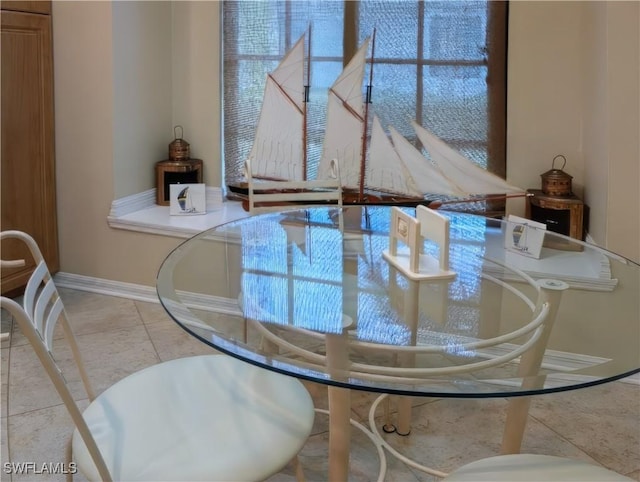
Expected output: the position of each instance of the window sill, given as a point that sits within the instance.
(140, 213)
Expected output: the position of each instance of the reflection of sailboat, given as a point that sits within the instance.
(390, 171)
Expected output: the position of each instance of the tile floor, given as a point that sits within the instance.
(119, 336)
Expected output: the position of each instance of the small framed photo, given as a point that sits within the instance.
(187, 199)
(524, 236)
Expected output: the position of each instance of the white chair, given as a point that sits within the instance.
(532, 467)
(196, 418)
(268, 196)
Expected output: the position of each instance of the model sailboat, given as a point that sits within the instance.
(390, 170)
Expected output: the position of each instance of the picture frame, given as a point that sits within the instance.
(524, 236)
(187, 199)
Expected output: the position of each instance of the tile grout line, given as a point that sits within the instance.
(146, 330)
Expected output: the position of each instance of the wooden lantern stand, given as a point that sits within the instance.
(175, 172)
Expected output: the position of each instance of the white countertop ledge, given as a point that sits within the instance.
(140, 213)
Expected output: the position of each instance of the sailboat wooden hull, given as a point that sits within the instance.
(239, 192)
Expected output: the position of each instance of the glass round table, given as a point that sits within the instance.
(377, 299)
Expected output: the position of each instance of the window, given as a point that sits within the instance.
(440, 63)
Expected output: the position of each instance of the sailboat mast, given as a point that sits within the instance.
(305, 101)
(367, 101)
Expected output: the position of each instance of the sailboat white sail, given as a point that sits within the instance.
(345, 122)
(279, 149)
(386, 171)
(470, 178)
(427, 178)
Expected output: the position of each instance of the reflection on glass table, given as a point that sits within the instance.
(294, 293)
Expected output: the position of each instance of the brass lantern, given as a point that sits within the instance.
(556, 182)
(179, 149)
(180, 168)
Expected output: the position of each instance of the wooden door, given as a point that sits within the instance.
(28, 169)
(32, 6)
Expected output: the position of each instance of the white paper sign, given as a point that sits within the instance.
(524, 236)
(187, 199)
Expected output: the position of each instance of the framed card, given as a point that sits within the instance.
(187, 199)
(524, 236)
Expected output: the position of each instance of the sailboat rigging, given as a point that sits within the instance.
(367, 102)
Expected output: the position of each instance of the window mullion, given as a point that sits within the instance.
(350, 31)
(288, 41)
(420, 64)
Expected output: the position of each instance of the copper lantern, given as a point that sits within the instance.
(178, 169)
(556, 182)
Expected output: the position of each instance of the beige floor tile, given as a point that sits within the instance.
(95, 313)
(451, 432)
(635, 475)
(151, 312)
(4, 380)
(4, 447)
(108, 356)
(171, 341)
(41, 436)
(364, 464)
(111, 356)
(602, 420)
(29, 387)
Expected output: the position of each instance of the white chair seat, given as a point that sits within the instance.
(532, 467)
(182, 420)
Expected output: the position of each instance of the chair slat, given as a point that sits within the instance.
(33, 285)
(50, 324)
(43, 301)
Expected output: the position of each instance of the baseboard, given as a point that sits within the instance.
(217, 304)
(144, 293)
(130, 204)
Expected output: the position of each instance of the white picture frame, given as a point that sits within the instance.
(187, 199)
(524, 236)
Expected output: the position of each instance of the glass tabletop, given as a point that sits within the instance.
(319, 294)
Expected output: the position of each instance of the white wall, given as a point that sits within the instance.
(544, 91)
(622, 124)
(573, 89)
(197, 82)
(594, 56)
(88, 135)
(142, 92)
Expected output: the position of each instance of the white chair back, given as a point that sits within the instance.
(37, 318)
(201, 403)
